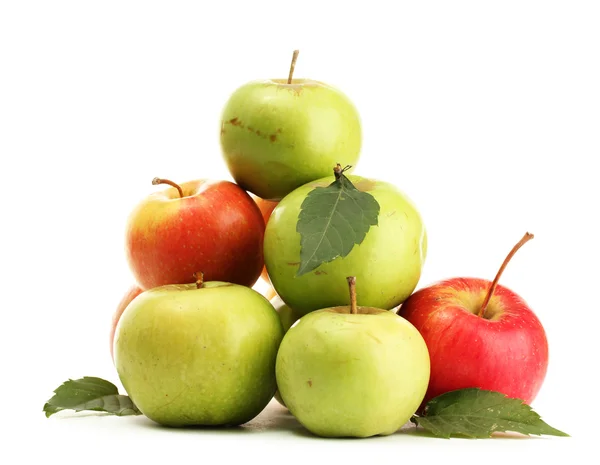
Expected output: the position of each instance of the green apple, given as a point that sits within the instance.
(277, 136)
(387, 264)
(288, 317)
(352, 371)
(190, 355)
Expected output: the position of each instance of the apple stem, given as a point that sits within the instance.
(338, 170)
(157, 181)
(527, 237)
(293, 65)
(199, 277)
(352, 285)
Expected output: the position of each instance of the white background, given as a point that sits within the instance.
(487, 114)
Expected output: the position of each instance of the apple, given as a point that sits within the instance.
(266, 207)
(480, 334)
(278, 134)
(387, 264)
(210, 225)
(351, 371)
(287, 317)
(131, 294)
(198, 354)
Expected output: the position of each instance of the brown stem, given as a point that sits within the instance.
(293, 65)
(518, 245)
(199, 277)
(157, 181)
(352, 285)
(338, 170)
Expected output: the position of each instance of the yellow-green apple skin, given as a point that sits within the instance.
(387, 264)
(189, 356)
(352, 375)
(287, 317)
(276, 136)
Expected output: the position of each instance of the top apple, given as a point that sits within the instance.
(279, 134)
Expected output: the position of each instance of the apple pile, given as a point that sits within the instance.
(344, 342)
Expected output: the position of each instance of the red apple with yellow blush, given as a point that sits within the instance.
(480, 334)
(208, 225)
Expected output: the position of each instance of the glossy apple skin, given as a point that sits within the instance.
(287, 317)
(507, 351)
(276, 136)
(189, 356)
(266, 207)
(131, 294)
(387, 264)
(216, 228)
(352, 375)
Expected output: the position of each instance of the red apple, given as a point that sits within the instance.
(131, 294)
(213, 226)
(480, 334)
(266, 208)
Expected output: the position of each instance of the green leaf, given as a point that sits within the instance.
(89, 393)
(477, 413)
(332, 220)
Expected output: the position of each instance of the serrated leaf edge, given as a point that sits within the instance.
(423, 420)
(308, 267)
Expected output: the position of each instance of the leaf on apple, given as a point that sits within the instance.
(477, 413)
(332, 220)
(90, 393)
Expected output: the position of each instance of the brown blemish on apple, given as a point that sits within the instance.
(279, 130)
(273, 137)
(319, 272)
(239, 124)
(293, 263)
(345, 310)
(365, 185)
(309, 383)
(320, 183)
(296, 89)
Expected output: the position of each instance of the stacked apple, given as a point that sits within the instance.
(195, 344)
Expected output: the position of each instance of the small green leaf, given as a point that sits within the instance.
(89, 393)
(477, 413)
(332, 220)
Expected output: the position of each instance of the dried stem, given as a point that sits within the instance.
(199, 277)
(293, 65)
(352, 285)
(157, 181)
